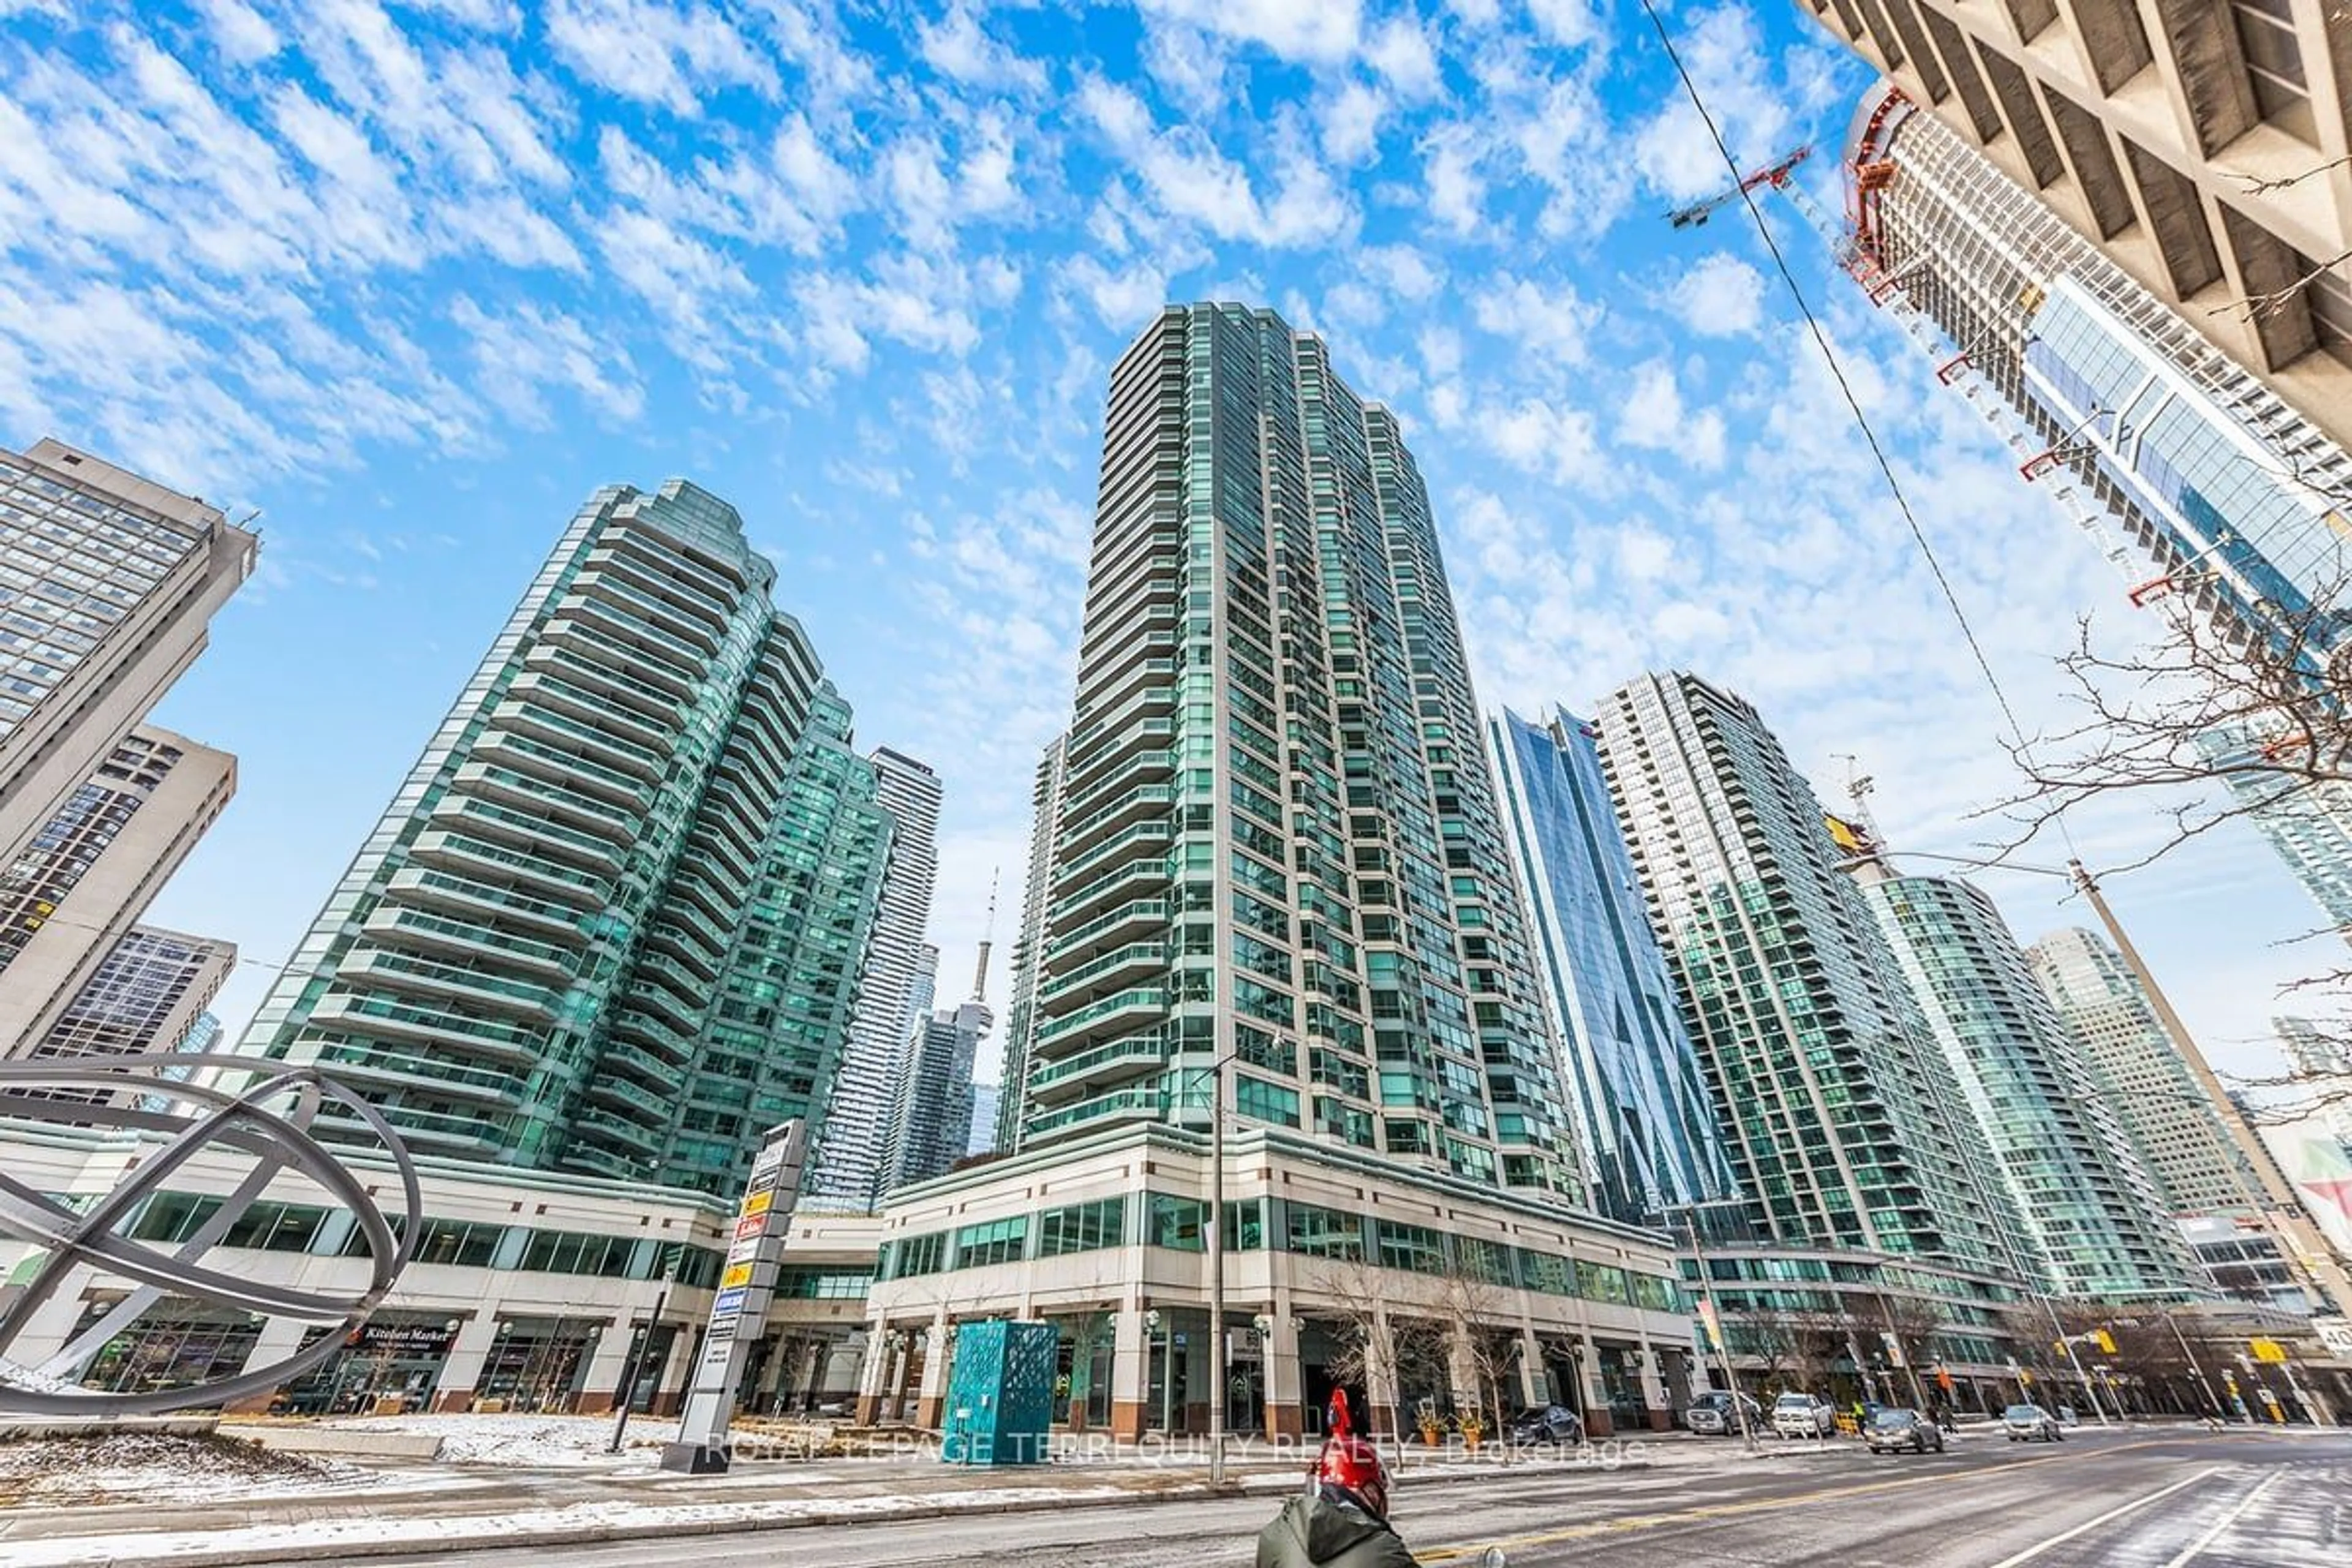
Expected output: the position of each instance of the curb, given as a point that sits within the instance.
(618, 1531)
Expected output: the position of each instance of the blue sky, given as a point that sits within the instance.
(413, 278)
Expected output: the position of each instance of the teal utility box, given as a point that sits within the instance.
(1001, 1394)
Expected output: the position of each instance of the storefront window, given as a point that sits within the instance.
(178, 1342)
(537, 1364)
(1175, 1222)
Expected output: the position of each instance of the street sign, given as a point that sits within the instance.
(739, 1311)
(1894, 1349)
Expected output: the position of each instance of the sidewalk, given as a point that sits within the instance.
(450, 1508)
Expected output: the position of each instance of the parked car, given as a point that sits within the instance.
(1710, 1416)
(1554, 1424)
(1803, 1415)
(2031, 1423)
(1895, 1428)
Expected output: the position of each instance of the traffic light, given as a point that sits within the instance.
(2107, 1341)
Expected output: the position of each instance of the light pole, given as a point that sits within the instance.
(1713, 1319)
(638, 1352)
(2189, 1356)
(1216, 1251)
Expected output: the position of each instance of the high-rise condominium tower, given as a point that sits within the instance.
(2094, 1220)
(2229, 495)
(1045, 825)
(146, 995)
(930, 1126)
(849, 1167)
(1276, 835)
(1647, 1127)
(107, 584)
(2140, 1073)
(75, 890)
(2148, 127)
(1842, 1120)
(613, 921)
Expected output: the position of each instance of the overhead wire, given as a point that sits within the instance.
(1854, 404)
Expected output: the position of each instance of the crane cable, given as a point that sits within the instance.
(1861, 420)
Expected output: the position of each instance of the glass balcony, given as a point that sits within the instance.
(1104, 1017)
(536, 689)
(467, 940)
(439, 845)
(1143, 837)
(650, 702)
(1078, 903)
(527, 835)
(456, 1032)
(1139, 915)
(1106, 752)
(402, 972)
(567, 767)
(441, 889)
(1124, 1105)
(649, 761)
(1118, 964)
(1149, 765)
(1127, 1057)
(1138, 802)
(654, 661)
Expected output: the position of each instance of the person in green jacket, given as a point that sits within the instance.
(1342, 1520)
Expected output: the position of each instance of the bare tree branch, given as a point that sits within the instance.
(2254, 185)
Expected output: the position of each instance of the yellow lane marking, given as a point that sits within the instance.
(1627, 1523)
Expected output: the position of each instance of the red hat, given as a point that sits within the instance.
(1353, 1465)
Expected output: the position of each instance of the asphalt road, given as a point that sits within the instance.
(2101, 1500)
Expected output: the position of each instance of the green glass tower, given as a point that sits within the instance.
(1841, 1117)
(614, 919)
(1273, 833)
(2093, 1221)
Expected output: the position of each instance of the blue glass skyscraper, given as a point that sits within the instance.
(1650, 1139)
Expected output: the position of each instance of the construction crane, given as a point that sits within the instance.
(1775, 176)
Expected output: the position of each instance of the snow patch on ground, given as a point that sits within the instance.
(159, 1468)
(522, 1441)
(322, 1537)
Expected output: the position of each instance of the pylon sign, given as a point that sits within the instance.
(739, 1309)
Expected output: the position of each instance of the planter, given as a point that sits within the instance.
(1433, 1435)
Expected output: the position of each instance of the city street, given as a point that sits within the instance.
(2114, 1500)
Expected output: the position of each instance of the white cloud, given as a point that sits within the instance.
(1322, 31)
(242, 33)
(1192, 180)
(1654, 416)
(958, 47)
(1556, 323)
(1721, 297)
(1399, 52)
(1122, 299)
(1350, 121)
(1457, 194)
(645, 50)
(1190, 66)
(1570, 22)
(1550, 440)
(1402, 269)
(519, 354)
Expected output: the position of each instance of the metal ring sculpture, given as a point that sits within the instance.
(96, 1240)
